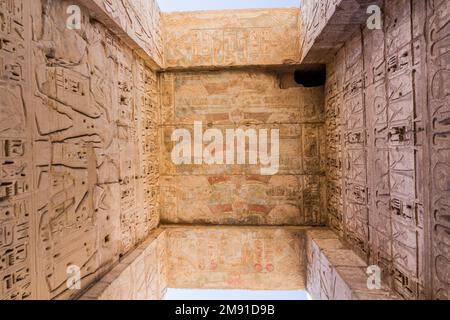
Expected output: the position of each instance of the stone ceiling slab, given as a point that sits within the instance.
(230, 38)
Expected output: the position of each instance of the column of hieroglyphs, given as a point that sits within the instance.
(379, 115)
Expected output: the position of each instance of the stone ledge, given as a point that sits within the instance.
(140, 275)
(328, 25)
(335, 272)
(142, 38)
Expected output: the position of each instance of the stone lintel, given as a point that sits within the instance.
(336, 25)
(208, 40)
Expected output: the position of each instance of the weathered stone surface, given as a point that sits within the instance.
(207, 258)
(141, 275)
(239, 194)
(334, 272)
(314, 17)
(439, 112)
(79, 162)
(236, 258)
(211, 39)
(17, 249)
(378, 167)
(301, 151)
(136, 22)
(243, 199)
(238, 97)
(85, 133)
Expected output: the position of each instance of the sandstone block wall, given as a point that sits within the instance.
(239, 194)
(212, 39)
(86, 122)
(78, 152)
(314, 17)
(387, 123)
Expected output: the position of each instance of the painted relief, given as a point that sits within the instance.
(236, 193)
(16, 173)
(238, 258)
(226, 38)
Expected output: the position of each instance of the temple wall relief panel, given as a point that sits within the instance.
(79, 111)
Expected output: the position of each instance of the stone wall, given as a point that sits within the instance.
(212, 39)
(387, 140)
(86, 124)
(208, 257)
(240, 194)
(253, 258)
(438, 142)
(79, 158)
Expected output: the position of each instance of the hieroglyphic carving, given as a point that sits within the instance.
(380, 229)
(254, 258)
(136, 22)
(382, 142)
(16, 179)
(73, 127)
(314, 17)
(237, 97)
(234, 37)
(243, 199)
(334, 138)
(141, 275)
(403, 92)
(80, 141)
(354, 153)
(439, 109)
(236, 258)
(90, 186)
(147, 101)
